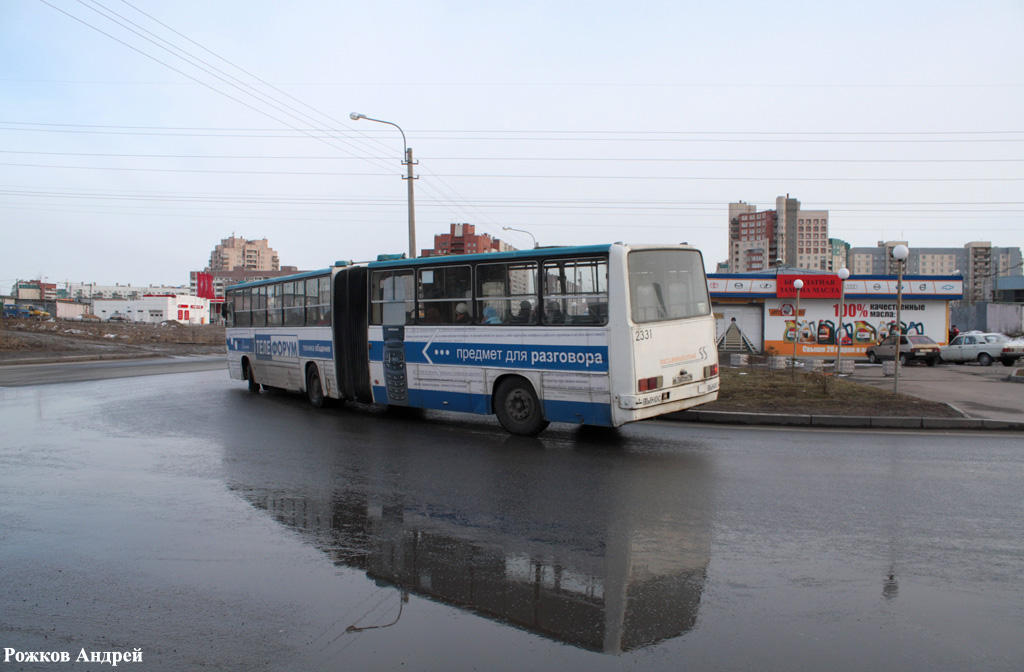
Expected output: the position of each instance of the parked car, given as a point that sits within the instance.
(119, 317)
(983, 348)
(912, 349)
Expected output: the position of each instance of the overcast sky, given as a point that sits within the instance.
(135, 136)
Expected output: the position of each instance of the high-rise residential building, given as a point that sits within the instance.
(753, 238)
(238, 260)
(238, 253)
(840, 254)
(978, 262)
(760, 239)
(463, 239)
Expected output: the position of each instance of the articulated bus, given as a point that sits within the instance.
(597, 335)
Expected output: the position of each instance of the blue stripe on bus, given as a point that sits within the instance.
(577, 412)
(503, 355)
(307, 349)
(236, 344)
(316, 349)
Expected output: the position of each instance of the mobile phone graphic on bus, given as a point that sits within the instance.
(395, 379)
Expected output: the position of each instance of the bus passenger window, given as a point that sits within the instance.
(441, 290)
(392, 299)
(572, 287)
(294, 300)
(259, 306)
(274, 311)
(243, 316)
(510, 289)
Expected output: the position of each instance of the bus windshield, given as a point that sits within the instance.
(667, 285)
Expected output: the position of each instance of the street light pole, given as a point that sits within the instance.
(407, 161)
(900, 254)
(509, 228)
(843, 274)
(798, 284)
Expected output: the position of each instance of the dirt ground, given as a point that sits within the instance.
(30, 339)
(755, 389)
(751, 389)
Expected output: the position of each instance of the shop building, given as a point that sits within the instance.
(758, 313)
(155, 308)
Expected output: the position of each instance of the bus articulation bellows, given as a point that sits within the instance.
(597, 335)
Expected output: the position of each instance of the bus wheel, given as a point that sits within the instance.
(254, 387)
(517, 407)
(314, 390)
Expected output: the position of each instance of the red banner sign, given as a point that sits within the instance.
(204, 285)
(815, 286)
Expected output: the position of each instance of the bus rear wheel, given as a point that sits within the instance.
(518, 409)
(314, 390)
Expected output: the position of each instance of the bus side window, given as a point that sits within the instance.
(293, 301)
(228, 311)
(392, 297)
(325, 300)
(259, 306)
(509, 290)
(572, 287)
(442, 290)
(274, 297)
(243, 316)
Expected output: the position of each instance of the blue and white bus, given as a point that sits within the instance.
(597, 335)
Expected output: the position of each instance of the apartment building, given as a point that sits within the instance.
(252, 255)
(979, 262)
(463, 239)
(760, 239)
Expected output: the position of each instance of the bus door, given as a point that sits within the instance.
(351, 342)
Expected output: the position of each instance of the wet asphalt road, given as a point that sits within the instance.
(181, 516)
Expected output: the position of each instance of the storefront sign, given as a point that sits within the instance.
(817, 329)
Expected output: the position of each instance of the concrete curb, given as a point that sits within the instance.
(852, 421)
(78, 358)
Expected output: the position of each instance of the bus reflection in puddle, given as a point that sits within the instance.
(618, 570)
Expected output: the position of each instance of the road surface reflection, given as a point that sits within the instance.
(600, 549)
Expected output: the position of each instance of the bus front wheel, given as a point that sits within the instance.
(254, 387)
(518, 409)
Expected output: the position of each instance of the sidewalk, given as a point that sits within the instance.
(982, 395)
(848, 421)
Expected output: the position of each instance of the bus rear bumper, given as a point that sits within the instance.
(671, 399)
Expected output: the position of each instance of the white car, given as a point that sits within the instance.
(982, 348)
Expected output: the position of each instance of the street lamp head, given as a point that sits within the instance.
(798, 284)
(355, 116)
(844, 273)
(900, 253)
